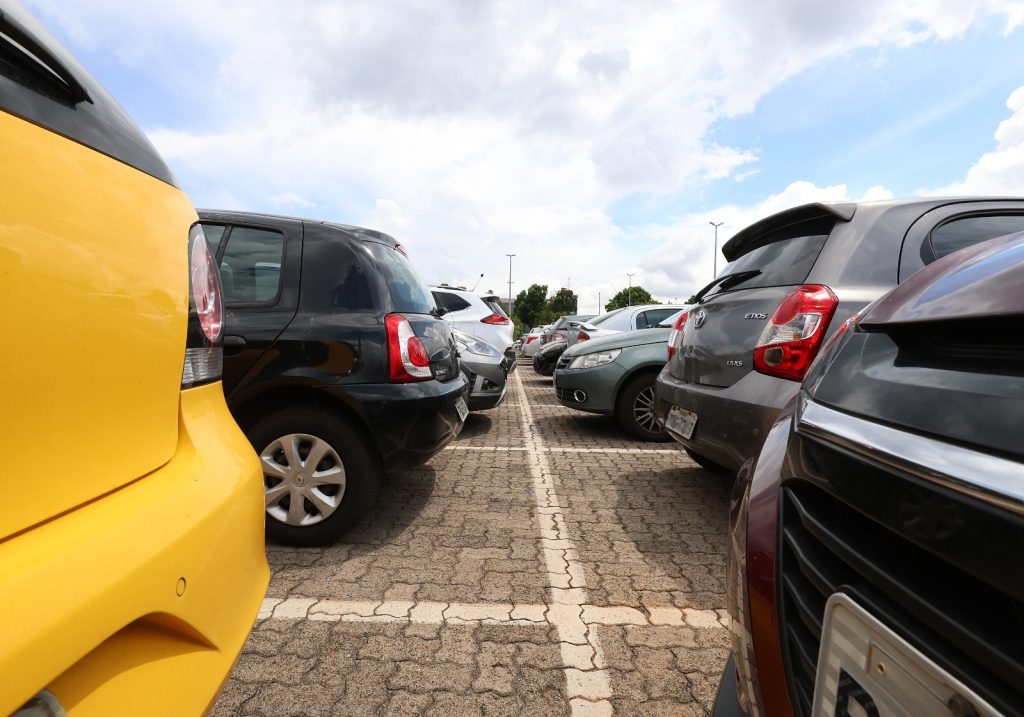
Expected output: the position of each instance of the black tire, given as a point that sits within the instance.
(361, 472)
(634, 410)
(707, 463)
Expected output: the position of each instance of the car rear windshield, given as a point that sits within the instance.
(408, 292)
(784, 257)
(596, 321)
(494, 306)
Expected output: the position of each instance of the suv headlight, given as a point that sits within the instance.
(598, 358)
(473, 345)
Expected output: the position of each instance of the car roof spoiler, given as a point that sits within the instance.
(738, 245)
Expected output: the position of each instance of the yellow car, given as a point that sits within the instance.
(132, 562)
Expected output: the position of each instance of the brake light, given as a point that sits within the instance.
(794, 334)
(407, 358)
(556, 337)
(583, 336)
(677, 334)
(496, 319)
(204, 353)
(531, 338)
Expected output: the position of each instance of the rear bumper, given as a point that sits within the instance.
(92, 609)
(409, 422)
(487, 382)
(599, 386)
(732, 422)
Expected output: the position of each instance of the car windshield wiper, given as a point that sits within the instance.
(726, 282)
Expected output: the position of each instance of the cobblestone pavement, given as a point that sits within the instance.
(543, 564)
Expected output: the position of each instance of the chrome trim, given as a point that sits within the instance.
(995, 480)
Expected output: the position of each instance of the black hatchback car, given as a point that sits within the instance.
(337, 364)
(874, 563)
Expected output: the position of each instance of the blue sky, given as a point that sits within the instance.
(587, 142)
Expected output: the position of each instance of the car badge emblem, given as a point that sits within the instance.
(699, 318)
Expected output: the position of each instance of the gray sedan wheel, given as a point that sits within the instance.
(635, 409)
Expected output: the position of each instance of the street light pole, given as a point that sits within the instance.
(510, 283)
(629, 293)
(716, 225)
(599, 309)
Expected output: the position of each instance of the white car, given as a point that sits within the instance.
(480, 316)
(629, 318)
(531, 340)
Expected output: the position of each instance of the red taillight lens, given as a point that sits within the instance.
(530, 338)
(792, 338)
(204, 355)
(495, 318)
(677, 334)
(583, 336)
(407, 357)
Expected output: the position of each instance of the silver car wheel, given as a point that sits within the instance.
(303, 479)
(643, 411)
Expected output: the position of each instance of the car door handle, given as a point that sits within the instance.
(233, 344)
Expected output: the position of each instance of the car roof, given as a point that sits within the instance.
(230, 215)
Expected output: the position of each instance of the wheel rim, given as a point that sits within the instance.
(303, 479)
(643, 411)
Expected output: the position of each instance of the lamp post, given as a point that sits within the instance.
(716, 225)
(599, 309)
(629, 292)
(510, 283)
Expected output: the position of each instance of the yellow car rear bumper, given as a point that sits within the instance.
(140, 601)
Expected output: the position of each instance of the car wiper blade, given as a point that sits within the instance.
(727, 282)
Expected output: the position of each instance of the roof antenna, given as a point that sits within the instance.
(477, 283)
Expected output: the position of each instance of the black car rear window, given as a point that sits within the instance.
(408, 292)
(783, 258)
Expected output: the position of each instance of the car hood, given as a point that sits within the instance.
(621, 340)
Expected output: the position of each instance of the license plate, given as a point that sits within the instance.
(867, 670)
(681, 421)
(460, 406)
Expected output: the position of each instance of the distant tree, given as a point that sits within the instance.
(530, 303)
(691, 300)
(517, 328)
(636, 296)
(563, 302)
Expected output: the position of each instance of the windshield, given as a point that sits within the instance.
(408, 292)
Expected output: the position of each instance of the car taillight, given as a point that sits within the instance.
(583, 336)
(407, 358)
(676, 335)
(495, 318)
(556, 337)
(530, 338)
(794, 334)
(204, 354)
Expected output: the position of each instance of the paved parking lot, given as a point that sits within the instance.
(543, 564)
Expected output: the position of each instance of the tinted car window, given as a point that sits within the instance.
(408, 292)
(352, 290)
(648, 319)
(782, 263)
(452, 302)
(250, 267)
(962, 233)
(495, 307)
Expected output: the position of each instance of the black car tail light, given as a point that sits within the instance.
(204, 354)
(791, 339)
(407, 358)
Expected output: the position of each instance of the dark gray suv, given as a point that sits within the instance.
(791, 278)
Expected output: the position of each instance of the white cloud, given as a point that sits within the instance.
(999, 172)
(471, 129)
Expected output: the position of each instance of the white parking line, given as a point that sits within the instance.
(588, 684)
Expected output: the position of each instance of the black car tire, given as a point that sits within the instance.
(707, 463)
(362, 471)
(637, 396)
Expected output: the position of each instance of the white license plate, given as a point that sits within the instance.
(462, 408)
(681, 421)
(867, 670)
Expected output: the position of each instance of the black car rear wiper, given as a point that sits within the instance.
(726, 282)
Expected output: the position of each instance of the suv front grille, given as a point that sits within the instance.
(970, 627)
(563, 361)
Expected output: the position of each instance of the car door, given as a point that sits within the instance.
(951, 227)
(260, 272)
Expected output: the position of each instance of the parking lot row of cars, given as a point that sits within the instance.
(858, 368)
